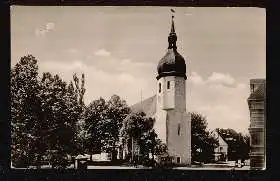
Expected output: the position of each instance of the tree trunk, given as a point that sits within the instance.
(132, 149)
(114, 155)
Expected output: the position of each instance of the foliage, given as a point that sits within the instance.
(93, 118)
(61, 113)
(44, 115)
(239, 144)
(76, 94)
(103, 121)
(116, 112)
(25, 111)
(139, 128)
(202, 143)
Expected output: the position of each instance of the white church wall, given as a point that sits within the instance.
(180, 94)
(169, 93)
(160, 125)
(179, 145)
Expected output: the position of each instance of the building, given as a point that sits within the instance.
(221, 151)
(168, 106)
(257, 107)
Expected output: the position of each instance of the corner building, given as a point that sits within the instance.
(257, 107)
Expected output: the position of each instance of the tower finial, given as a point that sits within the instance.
(172, 38)
(172, 25)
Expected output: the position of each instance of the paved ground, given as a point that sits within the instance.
(177, 168)
(212, 168)
(204, 167)
(112, 167)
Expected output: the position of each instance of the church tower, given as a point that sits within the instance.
(173, 122)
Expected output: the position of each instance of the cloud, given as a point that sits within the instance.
(216, 79)
(98, 82)
(195, 78)
(72, 50)
(219, 78)
(125, 61)
(221, 99)
(102, 53)
(224, 106)
(50, 26)
(108, 62)
(42, 32)
(39, 32)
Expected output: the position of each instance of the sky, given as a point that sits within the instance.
(118, 49)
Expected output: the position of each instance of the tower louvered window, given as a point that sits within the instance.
(179, 129)
(168, 84)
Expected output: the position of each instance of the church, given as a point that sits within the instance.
(168, 105)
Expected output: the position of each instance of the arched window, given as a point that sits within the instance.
(159, 87)
(168, 84)
(179, 129)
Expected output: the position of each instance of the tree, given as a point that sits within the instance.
(58, 130)
(149, 143)
(202, 144)
(77, 109)
(44, 114)
(239, 144)
(61, 111)
(25, 111)
(93, 117)
(116, 112)
(79, 89)
(138, 128)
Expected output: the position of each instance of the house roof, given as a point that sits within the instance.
(148, 106)
(220, 135)
(258, 94)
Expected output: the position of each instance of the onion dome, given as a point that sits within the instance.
(172, 64)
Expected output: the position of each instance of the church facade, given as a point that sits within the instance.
(168, 105)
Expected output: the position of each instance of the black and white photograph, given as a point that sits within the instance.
(124, 87)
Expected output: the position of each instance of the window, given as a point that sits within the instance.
(179, 129)
(256, 139)
(252, 88)
(159, 87)
(178, 159)
(168, 84)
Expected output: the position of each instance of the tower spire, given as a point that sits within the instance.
(172, 38)
(172, 25)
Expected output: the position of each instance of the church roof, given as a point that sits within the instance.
(148, 106)
(172, 63)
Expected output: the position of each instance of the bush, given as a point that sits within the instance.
(59, 161)
(148, 162)
(165, 162)
(21, 162)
